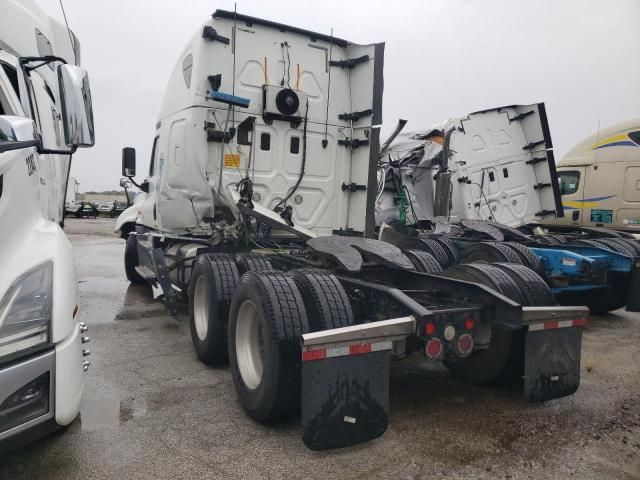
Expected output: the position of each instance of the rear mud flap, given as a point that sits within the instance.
(633, 297)
(345, 400)
(552, 363)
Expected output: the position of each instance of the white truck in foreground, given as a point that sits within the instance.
(45, 115)
(259, 213)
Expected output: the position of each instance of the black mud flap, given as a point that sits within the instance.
(552, 363)
(633, 297)
(345, 400)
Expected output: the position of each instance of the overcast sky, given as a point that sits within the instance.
(443, 58)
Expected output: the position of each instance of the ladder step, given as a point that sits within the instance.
(146, 273)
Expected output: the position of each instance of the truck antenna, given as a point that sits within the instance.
(235, 38)
(73, 45)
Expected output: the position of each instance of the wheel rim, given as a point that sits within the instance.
(249, 345)
(201, 308)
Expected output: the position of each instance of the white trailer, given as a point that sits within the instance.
(45, 115)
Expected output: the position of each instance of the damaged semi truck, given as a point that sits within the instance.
(45, 115)
(259, 213)
(483, 188)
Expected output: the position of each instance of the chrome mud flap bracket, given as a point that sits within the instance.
(552, 353)
(345, 382)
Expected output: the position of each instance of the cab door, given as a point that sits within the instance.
(572, 181)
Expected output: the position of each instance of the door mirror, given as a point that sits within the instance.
(125, 183)
(17, 133)
(77, 109)
(128, 162)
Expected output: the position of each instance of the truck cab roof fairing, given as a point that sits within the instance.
(249, 20)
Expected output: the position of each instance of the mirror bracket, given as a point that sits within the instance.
(49, 151)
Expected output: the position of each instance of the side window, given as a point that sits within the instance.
(12, 75)
(569, 182)
(154, 153)
(635, 136)
(187, 68)
(5, 106)
(44, 46)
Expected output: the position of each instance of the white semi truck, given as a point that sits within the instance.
(486, 183)
(259, 213)
(45, 115)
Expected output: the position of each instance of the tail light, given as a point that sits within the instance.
(469, 323)
(430, 328)
(434, 349)
(465, 345)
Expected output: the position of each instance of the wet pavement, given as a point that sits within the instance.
(151, 410)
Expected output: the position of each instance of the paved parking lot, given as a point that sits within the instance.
(151, 410)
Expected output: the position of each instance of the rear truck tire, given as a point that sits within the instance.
(632, 245)
(535, 290)
(326, 302)
(618, 247)
(437, 250)
(609, 301)
(528, 258)
(504, 358)
(490, 252)
(547, 239)
(450, 248)
(423, 261)
(592, 243)
(252, 262)
(131, 261)
(266, 320)
(213, 281)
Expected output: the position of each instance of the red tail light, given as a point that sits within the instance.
(465, 344)
(434, 348)
(430, 329)
(469, 323)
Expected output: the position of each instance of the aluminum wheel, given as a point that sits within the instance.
(249, 345)
(201, 307)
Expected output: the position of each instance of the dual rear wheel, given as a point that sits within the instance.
(254, 321)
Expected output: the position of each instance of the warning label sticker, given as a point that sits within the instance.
(602, 216)
(569, 262)
(231, 161)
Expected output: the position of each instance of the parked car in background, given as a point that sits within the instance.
(87, 210)
(70, 208)
(104, 208)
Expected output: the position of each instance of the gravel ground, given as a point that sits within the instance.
(151, 410)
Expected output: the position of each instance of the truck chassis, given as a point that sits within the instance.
(311, 324)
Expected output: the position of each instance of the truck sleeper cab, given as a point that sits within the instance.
(600, 179)
(45, 114)
(259, 214)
